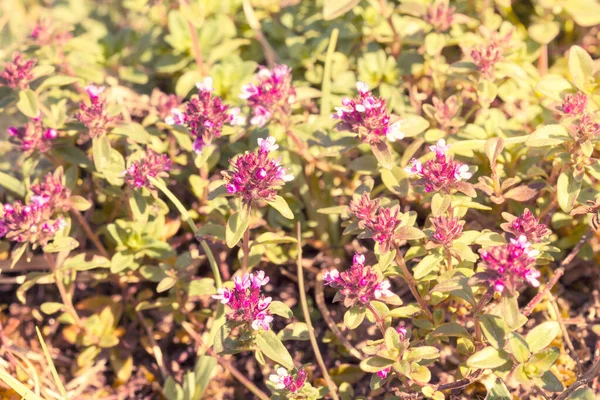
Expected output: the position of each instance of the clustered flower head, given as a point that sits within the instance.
(153, 165)
(510, 263)
(163, 103)
(440, 15)
(254, 176)
(446, 229)
(51, 190)
(248, 305)
(527, 225)
(29, 223)
(272, 96)
(358, 285)
(587, 128)
(441, 173)
(574, 104)
(46, 33)
(386, 371)
(205, 115)
(445, 112)
(485, 58)
(382, 222)
(18, 74)
(367, 116)
(33, 137)
(95, 116)
(283, 380)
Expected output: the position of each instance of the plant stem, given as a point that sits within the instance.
(412, 284)
(90, 233)
(64, 295)
(195, 43)
(246, 250)
(326, 85)
(270, 54)
(311, 331)
(378, 318)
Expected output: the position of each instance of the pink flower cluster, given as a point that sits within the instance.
(446, 229)
(51, 190)
(254, 176)
(205, 115)
(272, 96)
(29, 223)
(587, 128)
(485, 58)
(283, 380)
(367, 116)
(527, 225)
(510, 263)
(95, 116)
(445, 111)
(574, 104)
(441, 173)
(163, 103)
(386, 371)
(440, 15)
(153, 165)
(47, 33)
(248, 305)
(382, 222)
(17, 73)
(358, 285)
(33, 137)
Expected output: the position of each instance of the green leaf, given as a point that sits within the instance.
(498, 392)
(548, 382)
(583, 393)
(61, 244)
(542, 335)
(494, 329)
(282, 206)
(409, 233)
(121, 262)
(80, 203)
(336, 8)
(544, 359)
(165, 284)
(101, 152)
(427, 265)
(354, 317)
(58, 80)
(450, 329)
(488, 357)
(417, 354)
(50, 308)
(510, 311)
(133, 131)
(549, 135)
(202, 287)
(382, 152)
(584, 12)
(28, 103)
(440, 204)
(581, 67)
(392, 339)
(13, 184)
(205, 369)
(404, 312)
(273, 348)
(518, 347)
(567, 190)
(420, 373)
(281, 309)
(375, 364)
(271, 237)
(236, 226)
(294, 331)
(412, 124)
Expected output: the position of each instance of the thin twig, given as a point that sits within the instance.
(90, 233)
(64, 295)
(246, 250)
(270, 54)
(158, 355)
(565, 333)
(412, 284)
(311, 331)
(584, 380)
(195, 42)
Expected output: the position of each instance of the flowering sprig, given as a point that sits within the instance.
(382, 222)
(446, 230)
(359, 285)
(485, 58)
(18, 74)
(440, 15)
(95, 115)
(287, 382)
(204, 115)
(153, 165)
(526, 225)
(51, 190)
(445, 113)
(248, 305)
(254, 176)
(441, 173)
(29, 223)
(33, 137)
(402, 331)
(272, 96)
(367, 116)
(574, 104)
(506, 265)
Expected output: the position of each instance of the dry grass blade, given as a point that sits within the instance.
(18, 387)
(59, 384)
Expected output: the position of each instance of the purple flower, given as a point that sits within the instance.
(18, 74)
(587, 128)
(382, 222)
(527, 225)
(440, 15)
(95, 116)
(446, 229)
(574, 104)
(32, 137)
(255, 176)
(444, 112)
(272, 96)
(367, 116)
(485, 58)
(358, 285)
(249, 307)
(29, 223)
(51, 190)
(153, 165)
(164, 103)
(285, 381)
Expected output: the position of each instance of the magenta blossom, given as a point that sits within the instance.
(527, 225)
(51, 190)
(382, 222)
(47, 33)
(205, 115)
(587, 128)
(283, 380)
(272, 96)
(248, 305)
(444, 112)
(446, 229)
(95, 116)
(367, 116)
(440, 16)
(574, 104)
(441, 173)
(33, 137)
(485, 58)
(506, 265)
(359, 285)
(18, 74)
(163, 103)
(153, 165)
(254, 176)
(29, 223)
